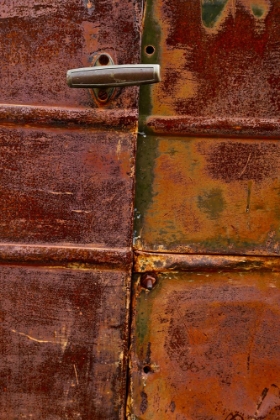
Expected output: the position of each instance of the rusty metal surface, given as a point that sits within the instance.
(67, 187)
(219, 58)
(66, 256)
(220, 79)
(67, 174)
(162, 262)
(212, 126)
(66, 117)
(204, 195)
(40, 41)
(62, 343)
(206, 346)
(205, 340)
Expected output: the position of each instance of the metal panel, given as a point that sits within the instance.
(66, 187)
(205, 340)
(62, 343)
(219, 58)
(208, 195)
(206, 346)
(198, 189)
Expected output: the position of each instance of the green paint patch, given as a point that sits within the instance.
(144, 309)
(145, 161)
(211, 10)
(212, 203)
(151, 37)
(257, 10)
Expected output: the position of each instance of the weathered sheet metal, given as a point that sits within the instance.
(198, 190)
(40, 41)
(206, 346)
(205, 339)
(205, 195)
(66, 186)
(154, 263)
(62, 343)
(219, 58)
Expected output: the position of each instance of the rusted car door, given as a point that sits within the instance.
(206, 306)
(66, 209)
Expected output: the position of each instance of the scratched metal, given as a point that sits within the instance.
(62, 343)
(66, 191)
(206, 346)
(72, 186)
(41, 40)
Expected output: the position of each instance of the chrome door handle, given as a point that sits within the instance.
(113, 76)
(104, 76)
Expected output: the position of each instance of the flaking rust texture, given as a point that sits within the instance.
(219, 58)
(206, 346)
(66, 181)
(220, 70)
(40, 41)
(62, 343)
(153, 262)
(66, 186)
(205, 338)
(208, 195)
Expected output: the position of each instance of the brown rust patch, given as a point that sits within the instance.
(73, 32)
(62, 356)
(66, 186)
(213, 126)
(233, 161)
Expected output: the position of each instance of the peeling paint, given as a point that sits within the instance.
(215, 12)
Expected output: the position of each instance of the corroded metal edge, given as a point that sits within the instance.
(199, 126)
(161, 262)
(68, 117)
(66, 256)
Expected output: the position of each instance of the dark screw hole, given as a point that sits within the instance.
(147, 369)
(103, 60)
(150, 50)
(102, 95)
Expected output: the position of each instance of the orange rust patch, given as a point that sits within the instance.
(212, 195)
(214, 347)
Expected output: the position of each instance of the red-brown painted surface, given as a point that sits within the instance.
(62, 343)
(66, 187)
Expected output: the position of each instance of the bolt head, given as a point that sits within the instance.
(148, 280)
